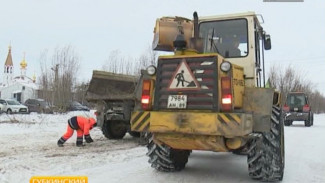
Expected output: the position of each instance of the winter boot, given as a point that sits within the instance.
(79, 142)
(61, 141)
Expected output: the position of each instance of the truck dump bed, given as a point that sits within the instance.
(111, 86)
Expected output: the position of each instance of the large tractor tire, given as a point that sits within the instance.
(134, 134)
(114, 129)
(241, 151)
(144, 138)
(166, 159)
(266, 153)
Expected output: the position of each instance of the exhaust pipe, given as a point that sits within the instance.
(196, 25)
(196, 41)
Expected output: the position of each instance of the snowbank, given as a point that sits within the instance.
(28, 148)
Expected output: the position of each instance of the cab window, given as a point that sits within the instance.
(296, 100)
(227, 37)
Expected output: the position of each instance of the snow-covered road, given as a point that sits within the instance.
(28, 148)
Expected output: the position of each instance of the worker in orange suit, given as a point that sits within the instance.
(82, 125)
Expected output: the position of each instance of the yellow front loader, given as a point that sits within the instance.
(210, 95)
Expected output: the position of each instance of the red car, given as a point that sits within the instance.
(297, 108)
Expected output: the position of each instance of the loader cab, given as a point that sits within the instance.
(240, 39)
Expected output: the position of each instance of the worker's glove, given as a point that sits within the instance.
(88, 139)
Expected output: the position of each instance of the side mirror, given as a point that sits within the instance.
(267, 42)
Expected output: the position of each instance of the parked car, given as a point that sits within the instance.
(13, 106)
(39, 106)
(297, 108)
(76, 106)
(1, 108)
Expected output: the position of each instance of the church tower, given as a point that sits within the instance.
(23, 65)
(8, 69)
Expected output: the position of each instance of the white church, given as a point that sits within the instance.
(19, 87)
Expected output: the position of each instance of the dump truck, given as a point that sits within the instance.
(114, 99)
(210, 94)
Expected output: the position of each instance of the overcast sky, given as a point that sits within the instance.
(94, 28)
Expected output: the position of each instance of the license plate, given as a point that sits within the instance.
(295, 109)
(117, 108)
(177, 101)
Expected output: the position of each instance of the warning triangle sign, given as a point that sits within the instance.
(183, 78)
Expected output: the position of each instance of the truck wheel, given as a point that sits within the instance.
(166, 159)
(266, 153)
(308, 122)
(114, 129)
(134, 134)
(311, 118)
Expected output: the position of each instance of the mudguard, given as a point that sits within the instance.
(258, 102)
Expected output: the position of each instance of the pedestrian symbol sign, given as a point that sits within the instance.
(183, 78)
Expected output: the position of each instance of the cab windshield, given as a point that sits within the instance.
(296, 100)
(227, 37)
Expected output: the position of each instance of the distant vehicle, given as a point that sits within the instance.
(13, 106)
(39, 106)
(76, 106)
(297, 108)
(114, 108)
(1, 108)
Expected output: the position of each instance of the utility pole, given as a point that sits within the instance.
(56, 95)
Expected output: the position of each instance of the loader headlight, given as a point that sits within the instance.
(151, 70)
(225, 66)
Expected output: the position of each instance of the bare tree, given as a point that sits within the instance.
(112, 61)
(46, 79)
(118, 63)
(318, 102)
(60, 77)
(289, 80)
(80, 92)
(149, 57)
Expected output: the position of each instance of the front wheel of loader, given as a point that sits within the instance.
(114, 129)
(166, 159)
(266, 153)
(134, 134)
